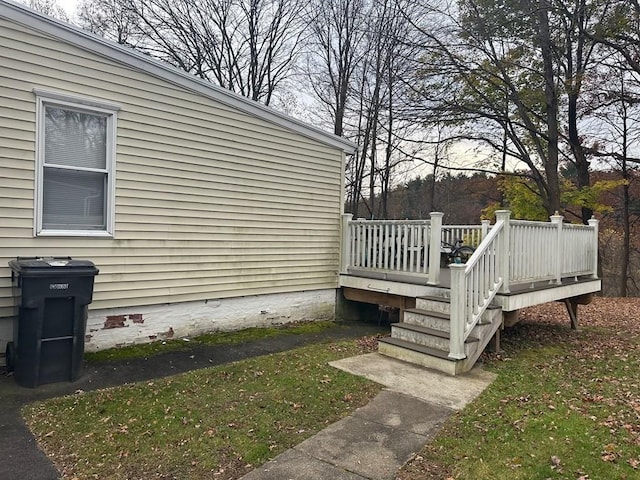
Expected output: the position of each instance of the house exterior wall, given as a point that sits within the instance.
(211, 203)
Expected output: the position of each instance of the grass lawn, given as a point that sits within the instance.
(565, 405)
(214, 423)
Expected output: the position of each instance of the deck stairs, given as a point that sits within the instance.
(422, 336)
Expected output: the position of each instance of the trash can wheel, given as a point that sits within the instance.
(10, 356)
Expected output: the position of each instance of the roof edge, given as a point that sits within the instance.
(133, 59)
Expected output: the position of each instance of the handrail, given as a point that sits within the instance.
(364, 221)
(474, 285)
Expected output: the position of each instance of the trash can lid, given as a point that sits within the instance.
(23, 265)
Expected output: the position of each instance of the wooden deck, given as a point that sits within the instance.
(520, 296)
(516, 264)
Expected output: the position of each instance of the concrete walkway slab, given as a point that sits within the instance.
(294, 465)
(405, 413)
(369, 449)
(434, 387)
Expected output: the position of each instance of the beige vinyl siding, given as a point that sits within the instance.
(210, 202)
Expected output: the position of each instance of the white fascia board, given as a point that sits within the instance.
(137, 61)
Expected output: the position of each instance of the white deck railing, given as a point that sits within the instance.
(394, 245)
(512, 252)
(403, 246)
(552, 251)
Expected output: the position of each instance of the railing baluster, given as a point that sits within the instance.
(380, 242)
(405, 247)
(410, 253)
(362, 245)
(392, 249)
(374, 246)
(425, 249)
(355, 248)
(380, 261)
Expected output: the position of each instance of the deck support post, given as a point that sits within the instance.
(494, 344)
(435, 237)
(572, 310)
(345, 247)
(594, 224)
(557, 221)
(502, 249)
(458, 312)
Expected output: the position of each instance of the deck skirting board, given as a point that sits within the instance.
(535, 296)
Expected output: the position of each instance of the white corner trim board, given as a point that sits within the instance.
(107, 328)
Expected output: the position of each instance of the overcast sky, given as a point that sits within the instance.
(69, 6)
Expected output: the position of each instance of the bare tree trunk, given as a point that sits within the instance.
(582, 163)
(433, 181)
(575, 69)
(626, 224)
(626, 238)
(363, 140)
(337, 35)
(552, 199)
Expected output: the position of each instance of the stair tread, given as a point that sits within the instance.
(429, 313)
(434, 352)
(431, 331)
(441, 315)
(435, 298)
(448, 300)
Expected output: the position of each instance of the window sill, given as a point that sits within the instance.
(74, 233)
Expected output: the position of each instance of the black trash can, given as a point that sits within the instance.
(52, 295)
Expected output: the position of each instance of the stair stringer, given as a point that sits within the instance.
(484, 333)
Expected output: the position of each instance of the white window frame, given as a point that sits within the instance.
(90, 106)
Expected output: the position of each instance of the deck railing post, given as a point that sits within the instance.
(345, 247)
(557, 250)
(435, 236)
(593, 223)
(486, 224)
(458, 311)
(502, 249)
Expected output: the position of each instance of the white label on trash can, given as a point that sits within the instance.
(58, 286)
(57, 263)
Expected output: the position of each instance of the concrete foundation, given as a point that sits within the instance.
(107, 328)
(121, 326)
